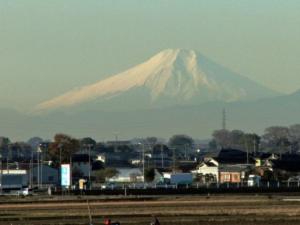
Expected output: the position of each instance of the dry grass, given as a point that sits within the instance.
(221, 210)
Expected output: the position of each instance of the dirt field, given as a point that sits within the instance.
(215, 210)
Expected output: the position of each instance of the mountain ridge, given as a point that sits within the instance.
(173, 76)
(194, 120)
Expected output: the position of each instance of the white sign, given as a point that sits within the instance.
(65, 175)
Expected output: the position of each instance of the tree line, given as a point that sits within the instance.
(276, 139)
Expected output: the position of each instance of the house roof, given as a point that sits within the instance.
(235, 168)
(288, 162)
(80, 158)
(233, 156)
(264, 155)
(187, 166)
(210, 164)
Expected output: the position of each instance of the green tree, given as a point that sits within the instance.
(4, 142)
(101, 176)
(222, 138)
(64, 146)
(34, 142)
(180, 140)
(277, 138)
(87, 141)
(251, 142)
(294, 132)
(182, 143)
(151, 141)
(236, 139)
(149, 175)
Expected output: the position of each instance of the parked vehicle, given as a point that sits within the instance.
(253, 180)
(24, 192)
(108, 186)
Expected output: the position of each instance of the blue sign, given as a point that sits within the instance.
(65, 175)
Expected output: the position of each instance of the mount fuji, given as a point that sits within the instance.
(171, 77)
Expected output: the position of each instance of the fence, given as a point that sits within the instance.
(261, 187)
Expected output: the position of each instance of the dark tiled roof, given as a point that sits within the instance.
(80, 158)
(210, 164)
(288, 162)
(233, 156)
(236, 168)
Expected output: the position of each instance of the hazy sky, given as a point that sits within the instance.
(49, 47)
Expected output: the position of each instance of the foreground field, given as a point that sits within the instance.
(213, 210)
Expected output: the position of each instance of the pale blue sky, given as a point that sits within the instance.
(49, 47)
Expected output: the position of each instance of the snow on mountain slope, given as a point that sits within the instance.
(179, 76)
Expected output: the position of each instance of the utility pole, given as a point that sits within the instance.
(224, 120)
(41, 169)
(60, 162)
(162, 155)
(116, 142)
(39, 151)
(143, 160)
(7, 159)
(1, 174)
(89, 151)
(38, 170)
(247, 149)
(71, 174)
(254, 147)
(31, 169)
(174, 158)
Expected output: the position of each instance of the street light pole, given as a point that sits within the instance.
(1, 174)
(38, 170)
(162, 156)
(143, 163)
(41, 169)
(143, 160)
(60, 161)
(39, 150)
(31, 169)
(89, 148)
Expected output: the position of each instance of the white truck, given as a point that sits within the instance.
(181, 178)
(253, 180)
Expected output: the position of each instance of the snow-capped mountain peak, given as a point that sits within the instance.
(171, 76)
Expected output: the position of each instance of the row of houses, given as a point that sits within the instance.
(225, 166)
(235, 166)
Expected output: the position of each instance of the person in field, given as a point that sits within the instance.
(155, 221)
(107, 222)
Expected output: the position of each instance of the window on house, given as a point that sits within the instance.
(227, 177)
(50, 178)
(236, 177)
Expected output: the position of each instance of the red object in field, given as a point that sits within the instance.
(107, 222)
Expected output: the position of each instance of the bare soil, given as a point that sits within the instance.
(189, 210)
